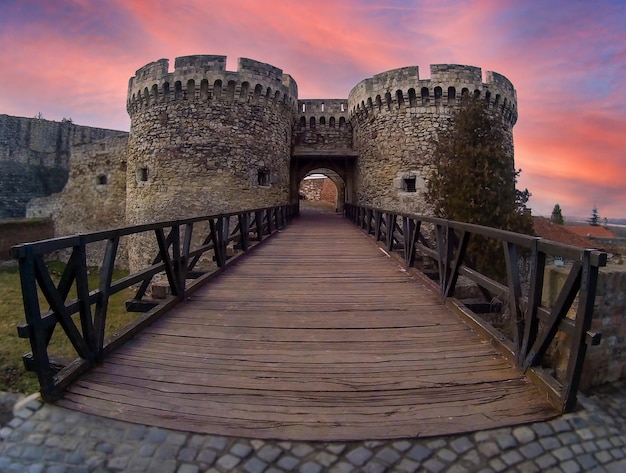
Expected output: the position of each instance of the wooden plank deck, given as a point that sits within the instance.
(316, 336)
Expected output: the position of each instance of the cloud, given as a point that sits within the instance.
(73, 58)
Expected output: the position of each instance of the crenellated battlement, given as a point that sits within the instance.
(205, 78)
(322, 112)
(448, 84)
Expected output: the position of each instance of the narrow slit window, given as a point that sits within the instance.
(263, 177)
(142, 174)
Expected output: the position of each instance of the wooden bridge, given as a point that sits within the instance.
(319, 333)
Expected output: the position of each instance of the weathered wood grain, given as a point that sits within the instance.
(318, 336)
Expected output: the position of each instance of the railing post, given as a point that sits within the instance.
(584, 316)
(390, 224)
(106, 276)
(377, 224)
(34, 329)
(82, 290)
(258, 217)
(411, 232)
(442, 252)
(270, 221)
(531, 321)
(244, 228)
(515, 292)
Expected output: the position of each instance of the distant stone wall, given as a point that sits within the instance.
(34, 158)
(606, 362)
(329, 191)
(311, 189)
(14, 232)
(94, 197)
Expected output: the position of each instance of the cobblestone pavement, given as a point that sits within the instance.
(46, 438)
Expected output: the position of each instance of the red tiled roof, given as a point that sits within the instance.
(544, 228)
(591, 231)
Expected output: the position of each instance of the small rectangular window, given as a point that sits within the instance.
(408, 184)
(263, 177)
(141, 174)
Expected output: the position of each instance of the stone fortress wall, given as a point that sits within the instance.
(94, 197)
(396, 117)
(35, 158)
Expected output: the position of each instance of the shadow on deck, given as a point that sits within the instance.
(316, 335)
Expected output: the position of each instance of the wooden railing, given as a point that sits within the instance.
(181, 246)
(532, 327)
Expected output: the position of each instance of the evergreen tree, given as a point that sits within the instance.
(473, 180)
(557, 216)
(594, 221)
(473, 177)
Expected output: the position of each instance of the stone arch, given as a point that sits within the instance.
(312, 123)
(412, 97)
(155, 93)
(146, 96)
(388, 100)
(303, 122)
(166, 92)
(335, 174)
(331, 122)
(379, 102)
(322, 121)
(178, 90)
(342, 122)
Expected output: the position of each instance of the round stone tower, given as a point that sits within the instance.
(395, 118)
(205, 140)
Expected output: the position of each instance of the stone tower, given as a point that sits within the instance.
(205, 140)
(395, 119)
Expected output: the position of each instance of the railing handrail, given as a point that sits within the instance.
(177, 257)
(533, 326)
(58, 243)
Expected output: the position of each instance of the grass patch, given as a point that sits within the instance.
(13, 376)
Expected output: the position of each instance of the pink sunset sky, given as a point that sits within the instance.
(566, 58)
